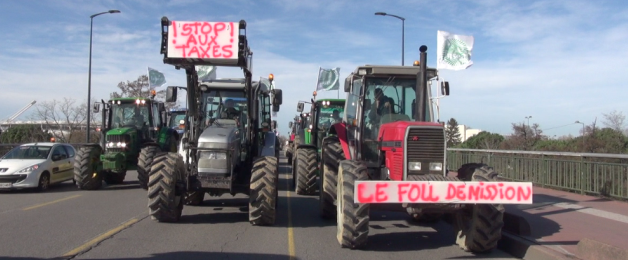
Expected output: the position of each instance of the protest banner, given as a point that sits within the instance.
(203, 40)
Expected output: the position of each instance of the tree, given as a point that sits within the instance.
(524, 137)
(614, 120)
(452, 133)
(483, 140)
(64, 119)
(140, 88)
(18, 134)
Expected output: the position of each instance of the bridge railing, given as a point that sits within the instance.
(585, 173)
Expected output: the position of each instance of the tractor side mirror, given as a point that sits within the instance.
(275, 108)
(171, 94)
(444, 88)
(348, 84)
(277, 97)
(96, 107)
(290, 124)
(300, 107)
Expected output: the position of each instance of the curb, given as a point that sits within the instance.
(594, 250)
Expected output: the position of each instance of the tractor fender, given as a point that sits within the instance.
(340, 130)
(309, 146)
(268, 149)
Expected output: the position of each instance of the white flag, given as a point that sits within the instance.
(206, 72)
(155, 78)
(328, 79)
(453, 51)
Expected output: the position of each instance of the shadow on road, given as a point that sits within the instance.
(188, 255)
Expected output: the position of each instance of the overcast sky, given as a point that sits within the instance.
(557, 61)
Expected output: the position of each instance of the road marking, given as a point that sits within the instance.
(290, 231)
(100, 238)
(51, 202)
(594, 212)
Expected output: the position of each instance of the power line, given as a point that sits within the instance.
(556, 127)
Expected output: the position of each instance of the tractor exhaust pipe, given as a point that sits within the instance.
(421, 93)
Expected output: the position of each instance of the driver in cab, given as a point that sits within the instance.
(230, 111)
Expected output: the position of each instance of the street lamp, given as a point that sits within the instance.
(528, 117)
(402, 30)
(578, 122)
(89, 77)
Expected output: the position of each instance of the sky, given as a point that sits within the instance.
(556, 61)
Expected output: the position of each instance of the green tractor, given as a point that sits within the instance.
(293, 130)
(323, 114)
(133, 130)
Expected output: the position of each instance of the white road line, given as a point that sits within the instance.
(594, 212)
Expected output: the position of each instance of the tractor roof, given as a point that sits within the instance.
(393, 70)
(130, 99)
(334, 100)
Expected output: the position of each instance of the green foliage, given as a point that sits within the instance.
(18, 134)
(483, 140)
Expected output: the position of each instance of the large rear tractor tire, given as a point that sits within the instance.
(263, 191)
(86, 165)
(352, 218)
(194, 198)
(164, 202)
(114, 177)
(332, 154)
(479, 227)
(306, 172)
(144, 162)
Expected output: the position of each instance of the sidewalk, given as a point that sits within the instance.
(573, 224)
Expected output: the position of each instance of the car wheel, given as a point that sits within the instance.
(44, 182)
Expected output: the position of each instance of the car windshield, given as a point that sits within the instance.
(28, 152)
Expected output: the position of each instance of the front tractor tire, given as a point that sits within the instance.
(352, 218)
(331, 155)
(479, 227)
(263, 191)
(144, 162)
(165, 203)
(306, 172)
(86, 174)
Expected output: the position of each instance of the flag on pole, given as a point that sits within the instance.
(206, 72)
(328, 79)
(155, 78)
(453, 51)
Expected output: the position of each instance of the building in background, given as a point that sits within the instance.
(467, 132)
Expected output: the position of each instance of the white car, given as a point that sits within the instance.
(37, 165)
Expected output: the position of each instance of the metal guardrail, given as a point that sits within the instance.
(585, 173)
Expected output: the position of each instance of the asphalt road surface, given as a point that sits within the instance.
(113, 223)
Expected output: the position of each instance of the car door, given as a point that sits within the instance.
(70, 161)
(59, 165)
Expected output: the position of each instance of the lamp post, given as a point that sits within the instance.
(403, 20)
(528, 117)
(578, 122)
(89, 77)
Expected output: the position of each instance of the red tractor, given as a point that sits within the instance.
(388, 150)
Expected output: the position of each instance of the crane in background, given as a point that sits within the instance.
(21, 111)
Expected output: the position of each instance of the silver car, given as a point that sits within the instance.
(37, 165)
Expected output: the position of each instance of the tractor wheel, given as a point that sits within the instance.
(479, 227)
(306, 172)
(263, 191)
(352, 218)
(114, 177)
(194, 198)
(144, 162)
(293, 169)
(86, 165)
(164, 204)
(331, 156)
(289, 156)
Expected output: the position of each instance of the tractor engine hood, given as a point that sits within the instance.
(222, 134)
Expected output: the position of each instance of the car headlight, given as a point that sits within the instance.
(213, 155)
(436, 166)
(29, 168)
(414, 166)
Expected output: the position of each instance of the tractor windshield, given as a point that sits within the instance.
(175, 119)
(130, 114)
(224, 104)
(329, 115)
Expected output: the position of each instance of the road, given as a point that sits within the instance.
(113, 223)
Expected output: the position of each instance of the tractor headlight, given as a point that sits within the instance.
(436, 166)
(213, 155)
(414, 166)
(116, 145)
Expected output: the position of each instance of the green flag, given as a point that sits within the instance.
(155, 78)
(328, 79)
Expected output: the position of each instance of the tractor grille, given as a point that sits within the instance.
(118, 138)
(425, 145)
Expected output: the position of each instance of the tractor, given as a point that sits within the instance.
(175, 117)
(293, 129)
(389, 154)
(302, 136)
(227, 146)
(323, 114)
(130, 127)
